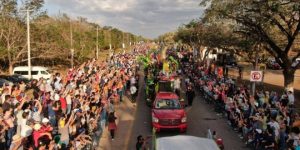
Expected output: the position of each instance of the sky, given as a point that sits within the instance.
(149, 18)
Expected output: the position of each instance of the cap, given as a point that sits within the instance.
(45, 120)
(37, 126)
(258, 131)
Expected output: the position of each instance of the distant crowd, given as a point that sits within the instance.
(266, 120)
(70, 111)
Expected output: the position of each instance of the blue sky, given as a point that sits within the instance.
(149, 18)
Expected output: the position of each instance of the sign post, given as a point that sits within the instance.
(255, 76)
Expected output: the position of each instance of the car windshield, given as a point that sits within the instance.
(165, 86)
(167, 104)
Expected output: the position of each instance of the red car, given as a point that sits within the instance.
(168, 113)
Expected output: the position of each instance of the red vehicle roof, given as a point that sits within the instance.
(166, 95)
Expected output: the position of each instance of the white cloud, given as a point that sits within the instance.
(149, 18)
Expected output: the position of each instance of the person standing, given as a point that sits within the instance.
(209, 134)
(112, 124)
(190, 94)
(141, 143)
(133, 91)
(177, 86)
(291, 98)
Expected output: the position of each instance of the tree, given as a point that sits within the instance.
(273, 24)
(12, 29)
(50, 36)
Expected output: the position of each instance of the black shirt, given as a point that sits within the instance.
(269, 140)
(139, 145)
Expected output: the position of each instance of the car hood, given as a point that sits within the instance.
(168, 113)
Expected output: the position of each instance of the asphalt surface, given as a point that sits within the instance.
(134, 120)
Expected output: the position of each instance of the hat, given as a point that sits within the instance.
(267, 92)
(258, 131)
(45, 120)
(37, 126)
(78, 110)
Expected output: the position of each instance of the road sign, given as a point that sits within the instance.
(256, 76)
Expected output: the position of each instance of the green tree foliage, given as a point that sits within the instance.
(249, 28)
(272, 24)
(50, 36)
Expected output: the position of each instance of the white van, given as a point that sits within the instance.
(180, 142)
(37, 72)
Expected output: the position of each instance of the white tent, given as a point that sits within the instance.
(182, 142)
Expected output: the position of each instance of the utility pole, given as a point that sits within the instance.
(28, 45)
(71, 45)
(97, 53)
(110, 47)
(123, 45)
(28, 41)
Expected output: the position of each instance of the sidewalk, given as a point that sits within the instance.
(125, 112)
(126, 116)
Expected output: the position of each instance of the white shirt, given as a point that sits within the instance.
(68, 99)
(57, 85)
(132, 80)
(133, 89)
(276, 126)
(187, 80)
(291, 99)
(177, 84)
(19, 117)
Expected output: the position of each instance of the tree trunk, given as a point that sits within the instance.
(289, 75)
(10, 68)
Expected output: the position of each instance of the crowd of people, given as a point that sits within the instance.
(265, 120)
(67, 112)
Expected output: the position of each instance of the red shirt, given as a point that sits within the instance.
(36, 136)
(45, 128)
(63, 103)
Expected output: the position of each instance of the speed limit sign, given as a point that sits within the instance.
(256, 76)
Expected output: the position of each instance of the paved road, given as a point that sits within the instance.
(136, 120)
